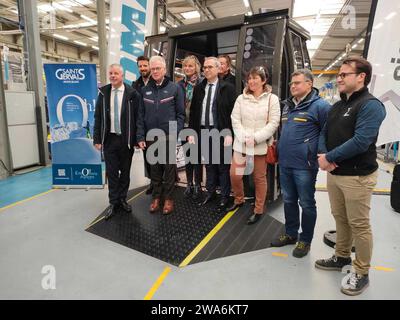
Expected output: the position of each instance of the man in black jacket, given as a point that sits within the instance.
(115, 133)
(143, 80)
(211, 108)
(163, 109)
(144, 69)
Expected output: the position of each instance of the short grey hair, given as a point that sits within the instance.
(116, 65)
(216, 61)
(305, 72)
(157, 59)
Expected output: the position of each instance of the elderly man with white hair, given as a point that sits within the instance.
(115, 134)
(163, 108)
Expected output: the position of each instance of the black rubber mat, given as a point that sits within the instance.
(237, 237)
(170, 238)
(173, 237)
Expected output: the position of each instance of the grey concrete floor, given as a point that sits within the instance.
(50, 230)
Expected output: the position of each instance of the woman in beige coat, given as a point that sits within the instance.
(255, 118)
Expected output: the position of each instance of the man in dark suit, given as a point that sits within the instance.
(212, 104)
(145, 75)
(115, 133)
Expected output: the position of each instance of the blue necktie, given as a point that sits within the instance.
(116, 113)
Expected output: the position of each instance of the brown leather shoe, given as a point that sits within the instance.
(155, 205)
(168, 206)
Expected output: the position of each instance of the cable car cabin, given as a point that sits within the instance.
(271, 39)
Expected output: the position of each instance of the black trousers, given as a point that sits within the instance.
(163, 175)
(118, 158)
(217, 172)
(193, 170)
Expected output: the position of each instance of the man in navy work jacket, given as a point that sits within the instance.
(163, 107)
(303, 117)
(115, 133)
(348, 152)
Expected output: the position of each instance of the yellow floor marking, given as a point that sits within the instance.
(383, 269)
(25, 200)
(157, 284)
(278, 254)
(203, 243)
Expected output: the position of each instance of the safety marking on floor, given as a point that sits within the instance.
(210, 235)
(25, 200)
(102, 217)
(383, 269)
(157, 284)
(279, 254)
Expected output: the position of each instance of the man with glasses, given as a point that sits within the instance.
(163, 108)
(211, 108)
(303, 116)
(348, 152)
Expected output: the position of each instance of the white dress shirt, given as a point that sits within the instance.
(203, 112)
(121, 91)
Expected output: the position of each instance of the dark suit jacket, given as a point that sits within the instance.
(129, 114)
(222, 106)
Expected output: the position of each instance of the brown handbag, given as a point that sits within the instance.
(272, 152)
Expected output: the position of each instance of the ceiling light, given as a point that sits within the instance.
(190, 15)
(354, 46)
(163, 29)
(80, 43)
(88, 19)
(58, 6)
(246, 3)
(250, 13)
(361, 40)
(84, 2)
(45, 7)
(96, 48)
(378, 26)
(59, 36)
(95, 39)
(70, 3)
(390, 15)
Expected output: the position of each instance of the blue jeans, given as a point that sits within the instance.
(299, 186)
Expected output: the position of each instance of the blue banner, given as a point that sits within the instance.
(71, 100)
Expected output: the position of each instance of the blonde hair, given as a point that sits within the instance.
(196, 62)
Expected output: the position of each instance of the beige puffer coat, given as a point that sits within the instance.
(249, 119)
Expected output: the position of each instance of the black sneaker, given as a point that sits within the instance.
(354, 284)
(301, 249)
(283, 240)
(334, 263)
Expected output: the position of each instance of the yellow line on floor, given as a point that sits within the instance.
(102, 217)
(210, 235)
(25, 200)
(278, 254)
(157, 284)
(383, 269)
(136, 195)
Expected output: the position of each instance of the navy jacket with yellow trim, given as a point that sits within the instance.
(301, 127)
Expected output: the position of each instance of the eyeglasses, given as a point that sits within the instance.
(208, 67)
(345, 74)
(156, 69)
(296, 83)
